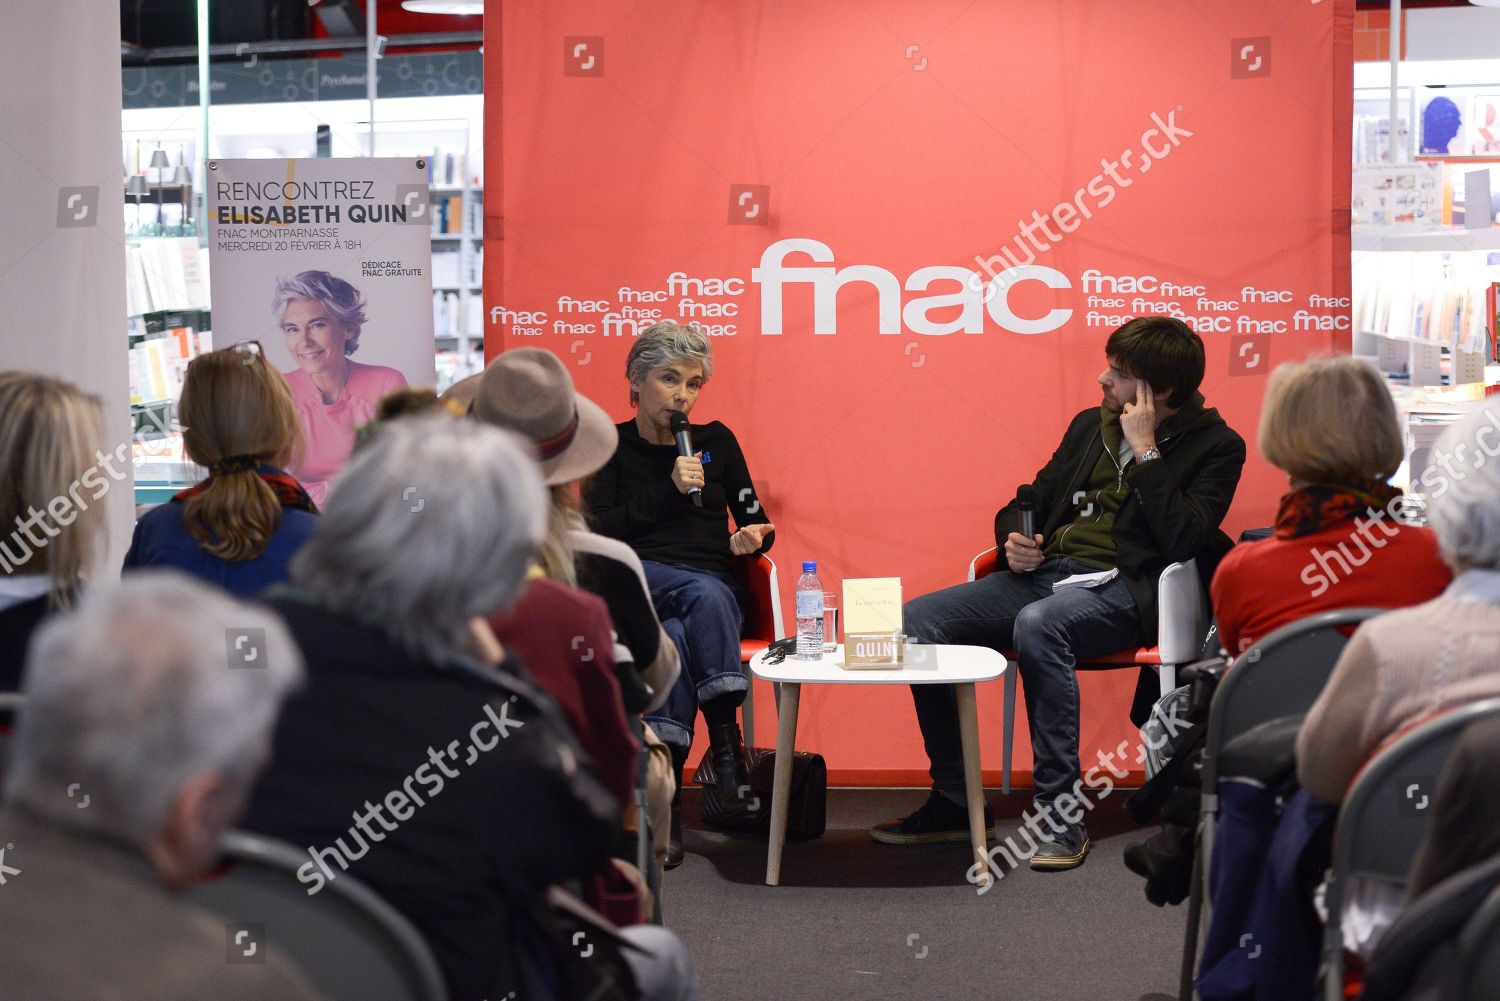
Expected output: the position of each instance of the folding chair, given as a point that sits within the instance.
(1182, 622)
(349, 942)
(1479, 950)
(1281, 675)
(763, 624)
(1384, 817)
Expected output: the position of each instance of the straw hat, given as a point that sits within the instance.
(529, 391)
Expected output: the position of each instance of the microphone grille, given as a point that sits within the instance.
(1026, 497)
(679, 421)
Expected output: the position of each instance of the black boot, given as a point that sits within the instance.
(731, 787)
(674, 837)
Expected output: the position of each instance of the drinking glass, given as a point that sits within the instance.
(830, 622)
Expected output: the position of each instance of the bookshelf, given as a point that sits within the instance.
(1424, 285)
(167, 320)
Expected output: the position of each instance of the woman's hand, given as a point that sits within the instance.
(1024, 555)
(688, 473)
(747, 540)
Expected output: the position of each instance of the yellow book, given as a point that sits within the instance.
(872, 605)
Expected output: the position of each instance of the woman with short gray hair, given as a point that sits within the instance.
(420, 758)
(321, 316)
(672, 510)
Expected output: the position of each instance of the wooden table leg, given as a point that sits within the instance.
(968, 729)
(781, 786)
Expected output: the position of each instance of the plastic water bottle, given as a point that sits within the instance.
(809, 613)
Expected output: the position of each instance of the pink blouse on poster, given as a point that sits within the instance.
(330, 427)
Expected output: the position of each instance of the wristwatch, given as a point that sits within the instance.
(1149, 454)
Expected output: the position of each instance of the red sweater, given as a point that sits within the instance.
(1262, 586)
(565, 639)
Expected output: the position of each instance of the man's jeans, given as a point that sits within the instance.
(701, 615)
(1049, 632)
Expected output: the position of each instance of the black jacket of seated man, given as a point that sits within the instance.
(1173, 507)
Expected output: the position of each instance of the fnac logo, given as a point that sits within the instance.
(975, 297)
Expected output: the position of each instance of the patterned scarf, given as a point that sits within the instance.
(288, 491)
(1320, 505)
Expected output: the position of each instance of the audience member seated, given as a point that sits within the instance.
(413, 721)
(674, 511)
(1444, 652)
(564, 638)
(55, 474)
(1456, 868)
(530, 391)
(1330, 425)
(240, 527)
(135, 753)
(398, 403)
(603, 566)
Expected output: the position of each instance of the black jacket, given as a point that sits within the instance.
(1175, 505)
(17, 624)
(484, 843)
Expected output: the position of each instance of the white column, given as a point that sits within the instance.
(62, 229)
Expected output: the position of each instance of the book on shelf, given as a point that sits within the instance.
(165, 273)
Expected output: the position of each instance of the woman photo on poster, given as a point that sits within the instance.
(321, 316)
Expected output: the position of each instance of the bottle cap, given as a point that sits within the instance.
(809, 566)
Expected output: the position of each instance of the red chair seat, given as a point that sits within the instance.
(1127, 658)
(749, 648)
(1146, 655)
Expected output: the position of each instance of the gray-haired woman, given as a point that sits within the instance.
(321, 316)
(643, 498)
(418, 758)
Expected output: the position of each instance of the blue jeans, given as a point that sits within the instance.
(1050, 633)
(702, 616)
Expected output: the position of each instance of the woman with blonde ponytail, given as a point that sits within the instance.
(240, 527)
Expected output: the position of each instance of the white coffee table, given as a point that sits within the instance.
(925, 664)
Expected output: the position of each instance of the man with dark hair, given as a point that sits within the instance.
(1136, 484)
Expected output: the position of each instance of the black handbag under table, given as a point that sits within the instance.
(807, 804)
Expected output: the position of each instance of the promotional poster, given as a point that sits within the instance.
(327, 264)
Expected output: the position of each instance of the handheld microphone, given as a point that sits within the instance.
(684, 436)
(1026, 504)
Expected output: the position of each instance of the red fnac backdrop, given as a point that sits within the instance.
(909, 229)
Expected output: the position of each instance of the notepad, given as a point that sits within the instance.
(1086, 579)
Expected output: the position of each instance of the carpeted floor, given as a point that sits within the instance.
(855, 920)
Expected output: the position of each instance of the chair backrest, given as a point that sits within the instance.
(762, 610)
(348, 941)
(1388, 808)
(984, 564)
(1181, 613)
(1479, 950)
(1281, 675)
